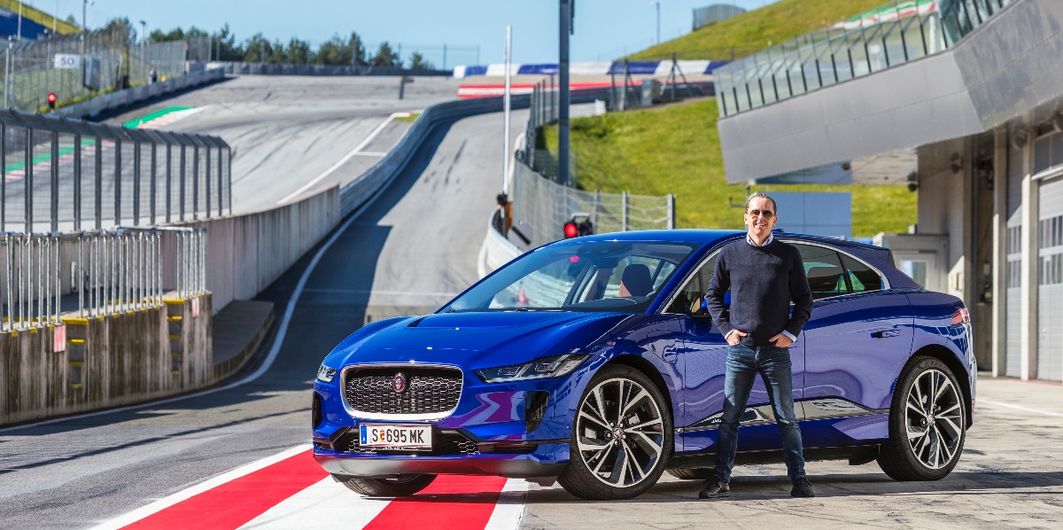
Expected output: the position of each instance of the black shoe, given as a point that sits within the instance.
(802, 488)
(714, 488)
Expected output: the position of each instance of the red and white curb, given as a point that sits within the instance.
(290, 490)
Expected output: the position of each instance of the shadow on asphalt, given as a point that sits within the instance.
(767, 488)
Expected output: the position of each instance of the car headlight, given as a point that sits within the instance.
(325, 374)
(545, 367)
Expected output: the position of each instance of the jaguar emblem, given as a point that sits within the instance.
(398, 383)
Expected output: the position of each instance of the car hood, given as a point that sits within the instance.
(474, 340)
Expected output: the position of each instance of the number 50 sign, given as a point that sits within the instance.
(67, 60)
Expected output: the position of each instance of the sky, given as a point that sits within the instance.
(472, 30)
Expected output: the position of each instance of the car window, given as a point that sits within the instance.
(823, 267)
(578, 276)
(694, 288)
(658, 270)
(545, 287)
(861, 277)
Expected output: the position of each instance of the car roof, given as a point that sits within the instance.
(879, 257)
(666, 236)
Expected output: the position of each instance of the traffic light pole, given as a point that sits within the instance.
(562, 114)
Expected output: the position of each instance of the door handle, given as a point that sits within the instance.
(885, 333)
(670, 354)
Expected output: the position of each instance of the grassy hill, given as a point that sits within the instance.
(676, 149)
(758, 29)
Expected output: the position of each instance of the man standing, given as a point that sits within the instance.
(764, 275)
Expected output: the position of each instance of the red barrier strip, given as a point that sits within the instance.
(448, 502)
(236, 502)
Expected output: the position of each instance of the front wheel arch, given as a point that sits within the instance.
(649, 370)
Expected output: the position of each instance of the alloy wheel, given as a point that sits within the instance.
(933, 419)
(620, 432)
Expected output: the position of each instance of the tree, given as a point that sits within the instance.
(122, 30)
(385, 56)
(357, 47)
(298, 52)
(258, 49)
(417, 62)
(227, 49)
(333, 52)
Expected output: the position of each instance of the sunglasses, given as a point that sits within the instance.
(767, 214)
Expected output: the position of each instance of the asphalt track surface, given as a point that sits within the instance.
(285, 131)
(413, 248)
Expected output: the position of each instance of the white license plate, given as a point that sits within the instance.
(406, 436)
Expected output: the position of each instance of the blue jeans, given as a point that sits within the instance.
(773, 364)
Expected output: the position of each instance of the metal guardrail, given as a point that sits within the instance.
(61, 170)
(242, 68)
(95, 274)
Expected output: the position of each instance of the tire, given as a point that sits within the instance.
(692, 473)
(596, 470)
(401, 486)
(938, 427)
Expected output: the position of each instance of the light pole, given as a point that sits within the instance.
(562, 114)
(657, 4)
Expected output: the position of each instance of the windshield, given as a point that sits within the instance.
(620, 276)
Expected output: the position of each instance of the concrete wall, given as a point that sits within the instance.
(106, 362)
(246, 253)
(98, 104)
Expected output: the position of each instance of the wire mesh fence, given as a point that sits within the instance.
(61, 175)
(542, 204)
(79, 66)
(541, 207)
(93, 274)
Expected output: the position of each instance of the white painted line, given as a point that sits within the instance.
(370, 153)
(278, 340)
(326, 504)
(337, 165)
(507, 515)
(187, 493)
(998, 404)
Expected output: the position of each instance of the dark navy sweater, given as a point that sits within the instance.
(762, 281)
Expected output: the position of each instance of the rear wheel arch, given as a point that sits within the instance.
(954, 364)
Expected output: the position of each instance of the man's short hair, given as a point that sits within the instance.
(762, 195)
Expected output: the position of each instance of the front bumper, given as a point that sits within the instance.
(514, 430)
(512, 466)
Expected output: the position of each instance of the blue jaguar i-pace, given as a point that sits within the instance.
(592, 360)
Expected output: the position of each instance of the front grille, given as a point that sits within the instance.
(444, 443)
(428, 390)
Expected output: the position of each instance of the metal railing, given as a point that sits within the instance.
(896, 33)
(100, 273)
(76, 67)
(70, 173)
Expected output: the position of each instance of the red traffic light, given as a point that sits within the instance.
(52, 99)
(571, 230)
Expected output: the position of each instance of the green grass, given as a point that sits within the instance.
(757, 29)
(676, 149)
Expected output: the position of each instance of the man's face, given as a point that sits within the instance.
(760, 218)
